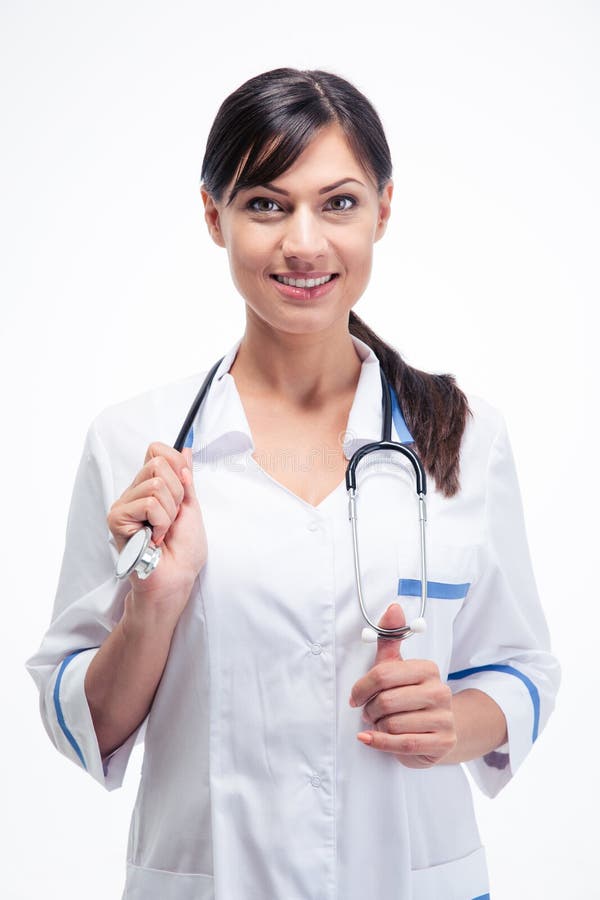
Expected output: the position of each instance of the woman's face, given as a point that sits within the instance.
(314, 227)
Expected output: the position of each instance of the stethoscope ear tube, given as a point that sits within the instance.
(418, 625)
(421, 479)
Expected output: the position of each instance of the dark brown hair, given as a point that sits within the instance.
(259, 131)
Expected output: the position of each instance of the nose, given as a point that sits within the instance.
(304, 240)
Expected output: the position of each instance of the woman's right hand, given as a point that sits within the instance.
(163, 494)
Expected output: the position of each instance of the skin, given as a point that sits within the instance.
(296, 369)
(299, 234)
(122, 678)
(296, 357)
(410, 713)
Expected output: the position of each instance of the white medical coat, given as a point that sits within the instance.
(254, 786)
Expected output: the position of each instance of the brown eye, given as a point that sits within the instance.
(342, 204)
(263, 205)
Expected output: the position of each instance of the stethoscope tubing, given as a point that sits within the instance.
(193, 411)
(391, 634)
(140, 556)
(386, 443)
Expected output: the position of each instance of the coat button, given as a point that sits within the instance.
(316, 649)
(313, 526)
(315, 781)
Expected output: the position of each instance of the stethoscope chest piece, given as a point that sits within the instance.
(138, 555)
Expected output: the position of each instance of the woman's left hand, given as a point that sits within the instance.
(406, 704)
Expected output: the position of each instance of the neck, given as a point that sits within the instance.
(303, 369)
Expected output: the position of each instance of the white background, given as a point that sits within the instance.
(111, 286)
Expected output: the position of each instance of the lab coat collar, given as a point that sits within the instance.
(364, 421)
(221, 427)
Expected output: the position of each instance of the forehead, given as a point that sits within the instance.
(327, 159)
(328, 154)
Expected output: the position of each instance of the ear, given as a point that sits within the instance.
(212, 217)
(385, 210)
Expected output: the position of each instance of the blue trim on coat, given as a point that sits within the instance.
(510, 670)
(482, 897)
(57, 706)
(404, 435)
(437, 590)
(189, 441)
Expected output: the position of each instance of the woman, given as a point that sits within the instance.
(283, 757)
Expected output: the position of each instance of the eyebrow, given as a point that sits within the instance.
(325, 190)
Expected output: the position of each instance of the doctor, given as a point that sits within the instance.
(285, 759)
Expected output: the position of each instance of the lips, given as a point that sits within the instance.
(303, 282)
(308, 287)
(314, 279)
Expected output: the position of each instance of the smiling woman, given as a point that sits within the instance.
(237, 659)
(258, 136)
(300, 231)
(300, 255)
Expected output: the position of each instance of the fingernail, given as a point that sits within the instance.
(391, 606)
(352, 703)
(365, 737)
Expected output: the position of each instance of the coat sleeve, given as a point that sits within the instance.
(89, 603)
(501, 643)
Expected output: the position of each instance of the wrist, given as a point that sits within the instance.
(154, 610)
(480, 726)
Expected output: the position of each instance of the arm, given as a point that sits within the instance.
(502, 679)
(122, 679)
(97, 626)
(479, 724)
(501, 643)
(123, 676)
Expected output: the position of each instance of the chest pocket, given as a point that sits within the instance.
(450, 572)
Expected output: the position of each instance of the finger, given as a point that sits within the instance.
(387, 650)
(433, 745)
(393, 617)
(408, 698)
(434, 721)
(159, 467)
(389, 674)
(153, 487)
(129, 518)
(172, 456)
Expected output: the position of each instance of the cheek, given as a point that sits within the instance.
(249, 251)
(358, 249)
(360, 236)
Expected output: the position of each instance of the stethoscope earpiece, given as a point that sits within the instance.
(369, 636)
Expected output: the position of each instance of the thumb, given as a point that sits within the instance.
(393, 617)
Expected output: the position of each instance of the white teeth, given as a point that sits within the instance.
(303, 282)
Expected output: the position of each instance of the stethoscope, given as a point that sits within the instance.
(139, 554)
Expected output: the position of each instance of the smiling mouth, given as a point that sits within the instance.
(304, 282)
